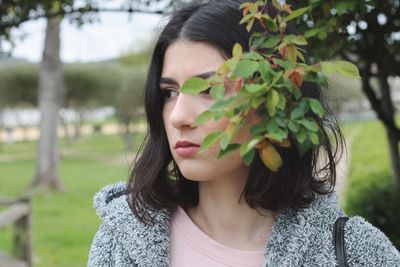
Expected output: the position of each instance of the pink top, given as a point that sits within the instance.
(189, 246)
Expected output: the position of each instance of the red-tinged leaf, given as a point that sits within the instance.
(297, 79)
(287, 8)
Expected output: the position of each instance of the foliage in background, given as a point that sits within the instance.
(86, 85)
(270, 76)
(18, 86)
(370, 187)
(366, 33)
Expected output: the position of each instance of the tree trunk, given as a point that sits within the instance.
(384, 108)
(393, 132)
(2, 128)
(78, 125)
(50, 93)
(128, 137)
(393, 140)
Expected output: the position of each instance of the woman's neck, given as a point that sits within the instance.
(220, 215)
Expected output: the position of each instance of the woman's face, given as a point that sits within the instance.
(183, 60)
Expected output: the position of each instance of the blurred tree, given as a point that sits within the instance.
(366, 33)
(129, 101)
(12, 14)
(51, 87)
(90, 86)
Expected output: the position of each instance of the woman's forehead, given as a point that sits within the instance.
(184, 59)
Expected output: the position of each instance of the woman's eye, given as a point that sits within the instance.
(169, 93)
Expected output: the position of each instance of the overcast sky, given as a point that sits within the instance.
(116, 33)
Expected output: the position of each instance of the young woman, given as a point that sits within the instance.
(185, 208)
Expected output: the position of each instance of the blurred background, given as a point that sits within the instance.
(72, 75)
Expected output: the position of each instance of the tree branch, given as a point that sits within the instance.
(375, 102)
(62, 12)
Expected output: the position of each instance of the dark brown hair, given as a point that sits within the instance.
(156, 183)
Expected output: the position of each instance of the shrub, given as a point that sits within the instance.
(375, 198)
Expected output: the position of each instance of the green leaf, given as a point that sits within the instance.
(272, 101)
(257, 42)
(194, 86)
(276, 76)
(295, 39)
(256, 101)
(253, 55)
(328, 68)
(220, 104)
(237, 51)
(294, 126)
(314, 138)
(347, 69)
(297, 113)
(304, 146)
(218, 91)
(254, 88)
(317, 107)
(281, 122)
(286, 64)
(245, 18)
(296, 13)
(270, 24)
(229, 148)
(312, 32)
(245, 68)
(258, 128)
(265, 70)
(210, 140)
(279, 135)
(282, 102)
(204, 117)
(344, 68)
(309, 124)
(271, 42)
(231, 63)
(272, 126)
(248, 158)
(224, 142)
(301, 135)
(249, 145)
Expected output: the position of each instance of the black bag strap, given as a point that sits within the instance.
(338, 241)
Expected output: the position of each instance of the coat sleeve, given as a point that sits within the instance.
(103, 248)
(367, 246)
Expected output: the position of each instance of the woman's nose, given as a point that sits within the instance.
(183, 113)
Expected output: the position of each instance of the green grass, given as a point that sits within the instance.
(369, 155)
(64, 223)
(369, 150)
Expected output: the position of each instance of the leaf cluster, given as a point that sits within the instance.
(271, 75)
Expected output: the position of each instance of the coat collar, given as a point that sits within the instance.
(148, 245)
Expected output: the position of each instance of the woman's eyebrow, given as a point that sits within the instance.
(167, 80)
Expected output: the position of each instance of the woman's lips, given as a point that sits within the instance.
(187, 151)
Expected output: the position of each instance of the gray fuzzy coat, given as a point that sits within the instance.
(301, 238)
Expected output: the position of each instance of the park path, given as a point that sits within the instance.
(342, 170)
(343, 165)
